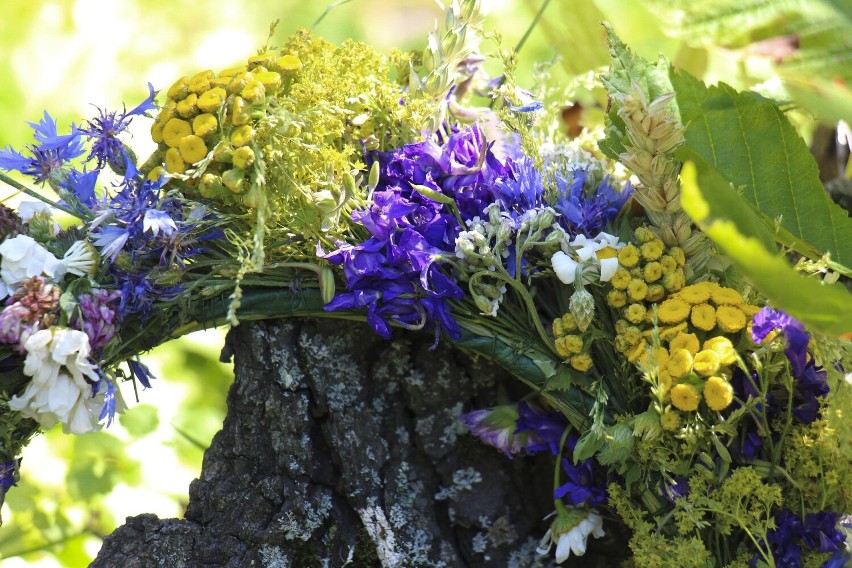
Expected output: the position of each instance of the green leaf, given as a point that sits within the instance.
(618, 446)
(588, 444)
(827, 99)
(752, 144)
(823, 306)
(140, 420)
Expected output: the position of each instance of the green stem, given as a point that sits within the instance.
(33, 193)
(532, 26)
(557, 470)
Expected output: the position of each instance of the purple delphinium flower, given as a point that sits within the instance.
(809, 380)
(817, 531)
(105, 128)
(7, 474)
(587, 212)
(48, 155)
(584, 487)
(98, 316)
(139, 371)
(396, 273)
(496, 427)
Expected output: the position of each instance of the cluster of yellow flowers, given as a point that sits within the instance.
(569, 344)
(648, 272)
(209, 112)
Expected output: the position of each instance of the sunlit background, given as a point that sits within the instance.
(67, 55)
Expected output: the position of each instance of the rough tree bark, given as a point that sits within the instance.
(340, 448)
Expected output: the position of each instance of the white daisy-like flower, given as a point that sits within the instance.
(601, 249)
(62, 378)
(80, 259)
(571, 536)
(24, 258)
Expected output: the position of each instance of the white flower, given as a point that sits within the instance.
(27, 209)
(565, 266)
(58, 362)
(23, 258)
(80, 259)
(573, 540)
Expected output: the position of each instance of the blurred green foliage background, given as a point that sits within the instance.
(66, 55)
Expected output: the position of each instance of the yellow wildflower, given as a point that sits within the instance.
(211, 100)
(665, 381)
(581, 362)
(638, 351)
(705, 363)
(253, 91)
(644, 235)
(637, 290)
(204, 124)
(179, 89)
(635, 313)
(670, 420)
(655, 293)
(749, 310)
(564, 325)
(703, 317)
(674, 281)
(673, 311)
(628, 256)
(289, 63)
(668, 263)
(620, 279)
(174, 130)
(200, 82)
(243, 157)
(652, 272)
(679, 364)
(242, 136)
(684, 397)
(188, 107)
(727, 296)
(688, 341)
(723, 348)
(192, 148)
(174, 162)
(718, 393)
(569, 345)
(652, 250)
(730, 319)
(671, 332)
(621, 326)
(616, 299)
(270, 79)
(679, 256)
(696, 293)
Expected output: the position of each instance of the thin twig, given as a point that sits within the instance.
(331, 7)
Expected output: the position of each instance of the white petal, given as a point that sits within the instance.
(609, 266)
(588, 251)
(564, 266)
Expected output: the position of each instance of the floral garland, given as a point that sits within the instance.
(667, 391)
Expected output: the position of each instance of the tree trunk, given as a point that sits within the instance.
(340, 448)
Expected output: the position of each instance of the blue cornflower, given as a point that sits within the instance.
(7, 475)
(79, 188)
(522, 192)
(584, 213)
(105, 128)
(138, 293)
(48, 156)
(582, 487)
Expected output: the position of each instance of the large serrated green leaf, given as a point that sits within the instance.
(752, 144)
(823, 306)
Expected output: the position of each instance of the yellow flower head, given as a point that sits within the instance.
(581, 362)
(703, 317)
(179, 89)
(655, 293)
(674, 281)
(652, 250)
(670, 420)
(679, 364)
(671, 332)
(632, 335)
(668, 263)
(569, 345)
(637, 290)
(200, 82)
(684, 397)
(289, 63)
(679, 256)
(628, 256)
(174, 162)
(635, 313)
(644, 235)
(718, 393)
(620, 279)
(616, 299)
(243, 157)
(673, 311)
(242, 136)
(606, 252)
(705, 363)
(564, 325)
(730, 319)
(696, 293)
(727, 296)
(621, 326)
(211, 100)
(638, 351)
(688, 341)
(204, 125)
(192, 148)
(723, 348)
(174, 130)
(652, 272)
(665, 381)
